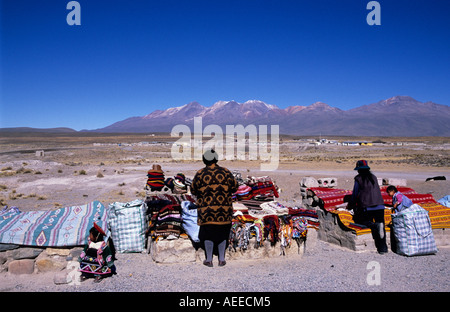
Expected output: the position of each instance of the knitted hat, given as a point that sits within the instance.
(362, 164)
(155, 178)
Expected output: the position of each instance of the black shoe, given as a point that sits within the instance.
(208, 263)
(222, 263)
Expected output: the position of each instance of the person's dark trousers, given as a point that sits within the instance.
(374, 219)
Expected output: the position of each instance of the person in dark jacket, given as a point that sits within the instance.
(368, 204)
(214, 186)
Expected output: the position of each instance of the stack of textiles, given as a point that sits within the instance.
(262, 186)
(254, 191)
(167, 221)
(178, 184)
(275, 208)
(166, 214)
(155, 178)
(309, 216)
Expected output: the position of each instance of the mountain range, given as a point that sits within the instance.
(396, 116)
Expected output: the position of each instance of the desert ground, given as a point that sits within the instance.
(75, 169)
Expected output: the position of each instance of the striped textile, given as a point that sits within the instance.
(334, 197)
(63, 227)
(330, 197)
(439, 214)
(439, 217)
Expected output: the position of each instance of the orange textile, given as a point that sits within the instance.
(439, 214)
(439, 217)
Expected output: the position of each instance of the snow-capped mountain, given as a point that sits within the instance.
(396, 116)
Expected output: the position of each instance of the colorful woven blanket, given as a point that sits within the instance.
(439, 214)
(55, 228)
(335, 197)
(439, 217)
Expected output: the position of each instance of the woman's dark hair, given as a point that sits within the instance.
(97, 235)
(391, 188)
(366, 175)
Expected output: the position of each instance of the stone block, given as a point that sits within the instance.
(45, 263)
(22, 266)
(57, 251)
(4, 247)
(172, 251)
(24, 253)
(327, 182)
(394, 181)
(309, 182)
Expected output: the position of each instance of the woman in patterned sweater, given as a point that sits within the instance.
(214, 186)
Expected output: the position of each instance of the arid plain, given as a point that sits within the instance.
(77, 168)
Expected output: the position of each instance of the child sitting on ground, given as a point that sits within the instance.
(97, 258)
(399, 200)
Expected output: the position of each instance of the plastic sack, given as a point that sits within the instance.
(128, 225)
(445, 201)
(189, 216)
(413, 233)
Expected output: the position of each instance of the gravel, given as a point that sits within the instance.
(323, 268)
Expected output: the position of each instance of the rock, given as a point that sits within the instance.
(4, 247)
(76, 252)
(3, 257)
(327, 182)
(62, 278)
(309, 182)
(394, 181)
(24, 253)
(73, 275)
(44, 263)
(23, 266)
(172, 251)
(57, 251)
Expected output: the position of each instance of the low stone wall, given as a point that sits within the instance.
(183, 250)
(29, 260)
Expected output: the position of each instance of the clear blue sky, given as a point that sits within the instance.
(129, 58)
